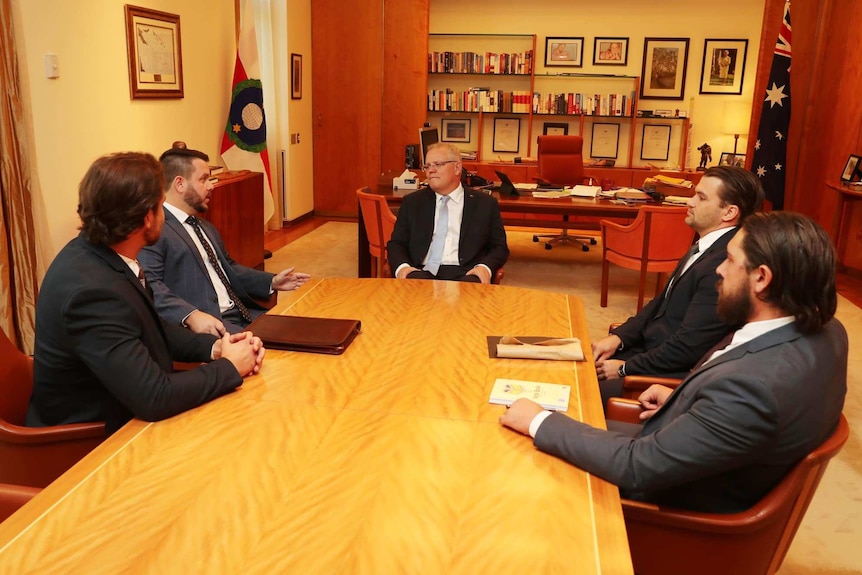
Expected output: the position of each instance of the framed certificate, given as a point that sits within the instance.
(507, 134)
(655, 143)
(605, 142)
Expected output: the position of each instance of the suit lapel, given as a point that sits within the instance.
(466, 215)
(177, 227)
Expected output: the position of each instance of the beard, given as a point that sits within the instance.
(734, 306)
(194, 201)
(152, 236)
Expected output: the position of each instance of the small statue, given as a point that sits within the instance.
(705, 156)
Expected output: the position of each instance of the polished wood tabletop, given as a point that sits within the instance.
(386, 459)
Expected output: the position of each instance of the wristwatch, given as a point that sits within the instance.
(621, 372)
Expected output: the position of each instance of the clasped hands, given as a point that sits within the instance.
(480, 272)
(603, 349)
(244, 350)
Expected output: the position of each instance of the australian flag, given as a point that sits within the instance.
(770, 149)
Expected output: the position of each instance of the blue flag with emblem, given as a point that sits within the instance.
(770, 149)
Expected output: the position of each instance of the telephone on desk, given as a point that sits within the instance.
(477, 181)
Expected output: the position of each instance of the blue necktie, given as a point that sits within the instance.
(435, 254)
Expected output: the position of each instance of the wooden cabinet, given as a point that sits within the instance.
(236, 210)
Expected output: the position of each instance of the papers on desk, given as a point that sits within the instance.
(677, 200)
(549, 395)
(577, 191)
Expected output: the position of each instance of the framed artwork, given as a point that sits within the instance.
(453, 130)
(155, 53)
(507, 134)
(555, 129)
(723, 66)
(664, 66)
(296, 76)
(655, 142)
(731, 159)
(605, 142)
(851, 171)
(564, 52)
(611, 51)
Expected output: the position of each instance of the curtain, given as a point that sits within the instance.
(18, 271)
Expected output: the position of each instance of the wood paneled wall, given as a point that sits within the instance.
(826, 117)
(368, 79)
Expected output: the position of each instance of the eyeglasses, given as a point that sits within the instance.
(437, 165)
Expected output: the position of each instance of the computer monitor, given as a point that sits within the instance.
(427, 136)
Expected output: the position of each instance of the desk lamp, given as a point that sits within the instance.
(736, 121)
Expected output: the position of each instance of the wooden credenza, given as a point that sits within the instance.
(236, 210)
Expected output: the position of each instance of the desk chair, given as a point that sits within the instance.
(379, 223)
(560, 162)
(755, 541)
(34, 456)
(654, 242)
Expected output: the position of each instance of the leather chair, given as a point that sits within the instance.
(13, 497)
(654, 242)
(379, 223)
(34, 456)
(664, 540)
(560, 162)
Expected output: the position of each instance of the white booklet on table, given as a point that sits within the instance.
(552, 396)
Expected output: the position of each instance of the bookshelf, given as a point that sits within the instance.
(474, 80)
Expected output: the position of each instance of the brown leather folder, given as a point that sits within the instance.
(311, 334)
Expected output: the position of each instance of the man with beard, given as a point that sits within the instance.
(195, 282)
(758, 402)
(102, 353)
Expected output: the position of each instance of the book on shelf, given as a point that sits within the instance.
(552, 396)
(216, 170)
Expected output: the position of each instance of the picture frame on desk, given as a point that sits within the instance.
(655, 142)
(852, 170)
(723, 66)
(605, 140)
(454, 130)
(731, 159)
(154, 47)
(507, 134)
(664, 67)
(564, 52)
(555, 129)
(610, 51)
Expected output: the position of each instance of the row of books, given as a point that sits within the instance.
(482, 99)
(584, 104)
(476, 63)
(520, 102)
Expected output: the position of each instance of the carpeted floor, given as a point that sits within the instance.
(828, 539)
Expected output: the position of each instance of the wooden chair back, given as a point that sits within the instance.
(654, 242)
(379, 223)
(34, 456)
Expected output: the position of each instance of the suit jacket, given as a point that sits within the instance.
(672, 340)
(483, 238)
(177, 273)
(103, 354)
(730, 431)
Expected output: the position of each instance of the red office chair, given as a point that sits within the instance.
(561, 163)
(379, 223)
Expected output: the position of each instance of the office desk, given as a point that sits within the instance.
(523, 210)
(387, 459)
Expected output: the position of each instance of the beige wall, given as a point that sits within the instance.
(634, 19)
(300, 184)
(87, 111)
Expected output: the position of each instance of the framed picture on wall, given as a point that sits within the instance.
(296, 76)
(454, 130)
(155, 53)
(655, 142)
(611, 51)
(555, 129)
(723, 66)
(507, 134)
(565, 52)
(605, 141)
(731, 159)
(663, 70)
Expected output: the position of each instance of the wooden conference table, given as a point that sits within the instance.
(387, 459)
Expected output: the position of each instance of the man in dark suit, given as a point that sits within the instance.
(446, 231)
(675, 329)
(757, 404)
(195, 281)
(102, 353)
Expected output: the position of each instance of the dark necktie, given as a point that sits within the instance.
(676, 273)
(193, 221)
(720, 345)
(141, 277)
